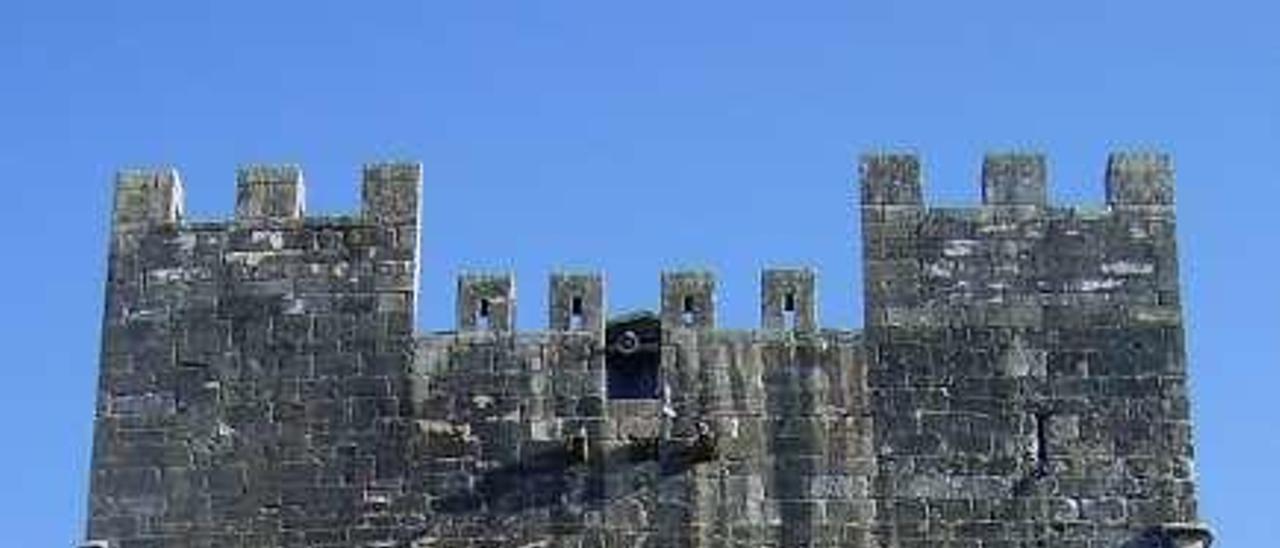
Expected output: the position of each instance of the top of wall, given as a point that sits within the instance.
(890, 183)
(1142, 180)
(268, 195)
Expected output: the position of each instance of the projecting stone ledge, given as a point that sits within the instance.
(1184, 535)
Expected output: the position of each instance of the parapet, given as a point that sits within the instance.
(392, 192)
(688, 299)
(486, 302)
(1014, 179)
(1018, 179)
(146, 197)
(577, 302)
(267, 194)
(891, 179)
(1140, 179)
(788, 299)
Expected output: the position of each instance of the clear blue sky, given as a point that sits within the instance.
(631, 139)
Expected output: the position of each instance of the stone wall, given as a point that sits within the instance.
(757, 438)
(252, 373)
(1021, 382)
(1027, 365)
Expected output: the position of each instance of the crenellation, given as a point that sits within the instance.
(688, 299)
(1022, 380)
(1014, 179)
(576, 302)
(392, 192)
(788, 299)
(890, 179)
(486, 302)
(1010, 265)
(1139, 179)
(147, 197)
(267, 193)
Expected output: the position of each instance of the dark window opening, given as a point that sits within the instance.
(1042, 443)
(482, 315)
(576, 320)
(577, 449)
(687, 311)
(633, 357)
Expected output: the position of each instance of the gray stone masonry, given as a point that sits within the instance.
(1021, 381)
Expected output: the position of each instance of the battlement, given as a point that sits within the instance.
(1018, 179)
(269, 192)
(262, 382)
(1016, 259)
(1009, 257)
(147, 197)
(1140, 179)
(391, 193)
(891, 179)
(1014, 179)
(576, 301)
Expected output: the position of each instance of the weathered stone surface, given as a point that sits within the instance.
(1021, 381)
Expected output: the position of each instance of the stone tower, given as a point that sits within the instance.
(1021, 381)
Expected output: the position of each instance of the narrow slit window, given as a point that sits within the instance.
(1042, 443)
(576, 321)
(688, 310)
(482, 314)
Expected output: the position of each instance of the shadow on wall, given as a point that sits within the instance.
(1173, 535)
(572, 473)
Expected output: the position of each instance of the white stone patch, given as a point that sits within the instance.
(224, 430)
(1156, 315)
(143, 405)
(274, 238)
(959, 248)
(131, 314)
(1100, 285)
(733, 427)
(996, 228)
(446, 428)
(1127, 268)
(834, 487)
(376, 498)
(296, 306)
(250, 258)
(187, 241)
(482, 401)
(541, 430)
(166, 275)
